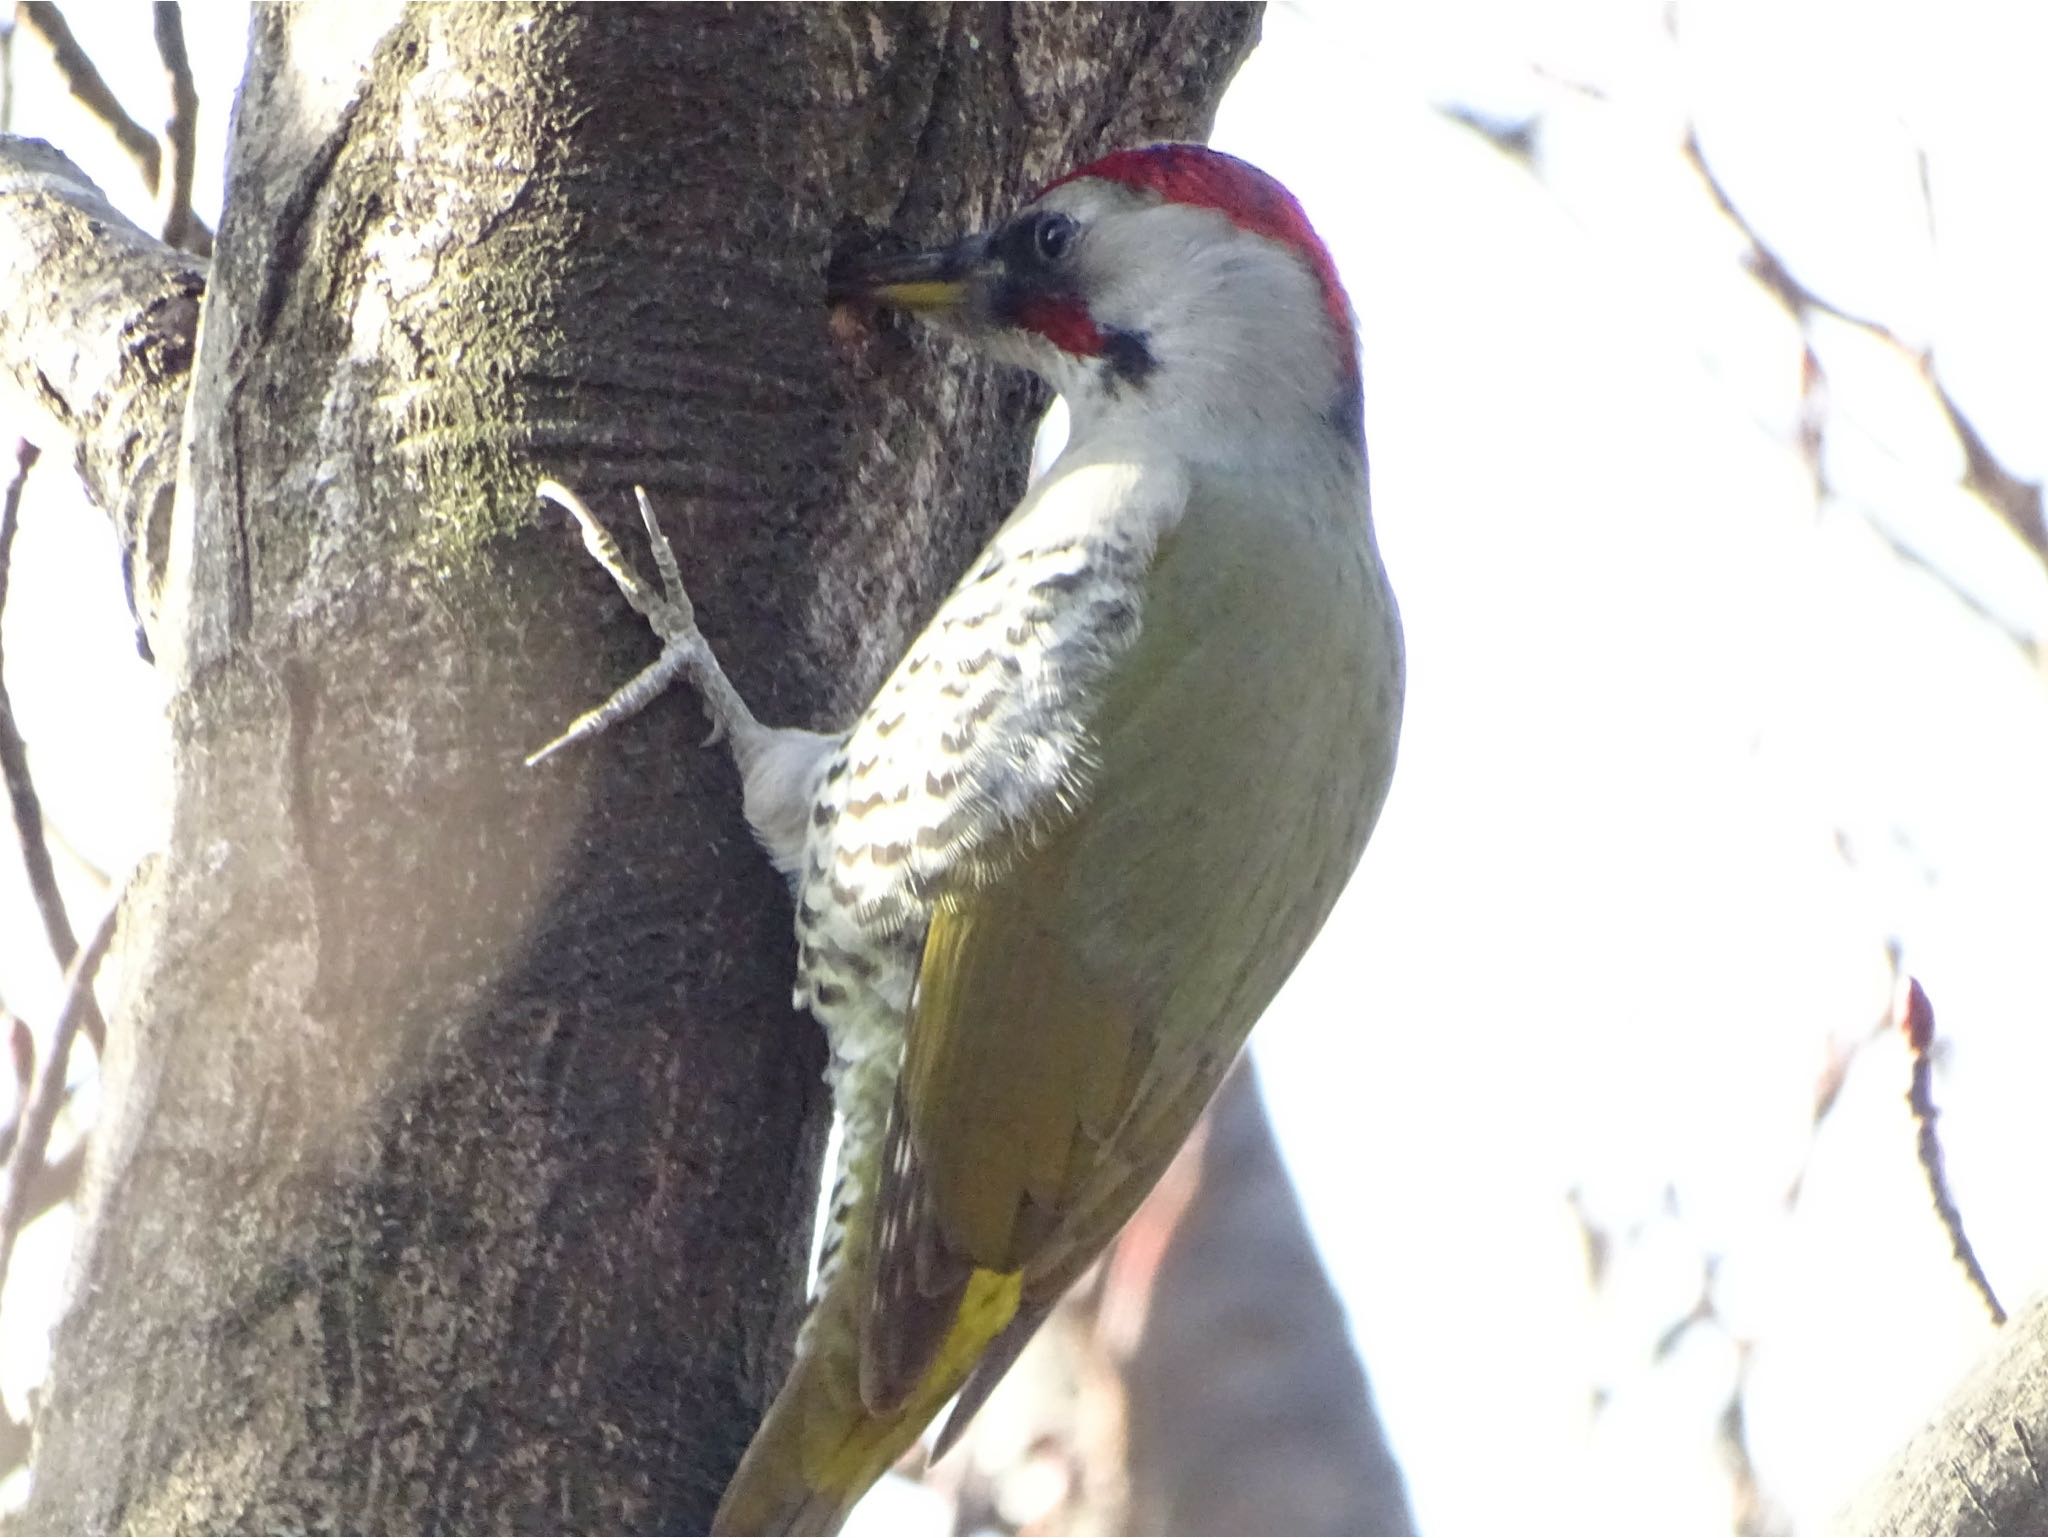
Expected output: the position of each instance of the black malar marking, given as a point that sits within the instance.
(1127, 355)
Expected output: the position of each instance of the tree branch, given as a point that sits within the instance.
(25, 1162)
(22, 799)
(89, 88)
(1916, 1020)
(7, 35)
(97, 328)
(2016, 501)
(55, 1183)
(180, 226)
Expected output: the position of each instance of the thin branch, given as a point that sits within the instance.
(1764, 263)
(25, 1165)
(21, 1046)
(83, 866)
(58, 1182)
(7, 77)
(1916, 1020)
(2017, 501)
(83, 79)
(22, 799)
(180, 227)
(90, 89)
(1515, 137)
(1754, 1510)
(53, 1184)
(1834, 1074)
(1906, 555)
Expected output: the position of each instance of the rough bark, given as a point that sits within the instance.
(460, 1145)
(1980, 1465)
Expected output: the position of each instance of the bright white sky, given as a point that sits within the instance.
(1685, 747)
(1608, 931)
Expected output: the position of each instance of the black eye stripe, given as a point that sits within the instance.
(1036, 244)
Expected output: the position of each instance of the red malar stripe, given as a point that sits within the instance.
(1063, 322)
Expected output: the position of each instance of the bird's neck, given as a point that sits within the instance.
(1271, 448)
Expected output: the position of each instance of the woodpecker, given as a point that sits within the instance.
(1083, 832)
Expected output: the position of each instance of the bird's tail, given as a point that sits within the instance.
(820, 1448)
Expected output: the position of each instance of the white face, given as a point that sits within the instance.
(1194, 319)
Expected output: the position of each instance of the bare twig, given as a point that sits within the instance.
(1754, 1510)
(25, 1163)
(1916, 1019)
(1594, 1237)
(83, 866)
(58, 1182)
(1515, 137)
(2018, 502)
(53, 1184)
(180, 227)
(1766, 266)
(7, 77)
(21, 1046)
(27, 806)
(1834, 1073)
(1906, 555)
(90, 88)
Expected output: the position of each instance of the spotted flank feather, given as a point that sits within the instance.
(974, 750)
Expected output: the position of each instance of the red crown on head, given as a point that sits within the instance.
(1200, 177)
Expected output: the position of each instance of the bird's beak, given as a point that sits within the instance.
(923, 282)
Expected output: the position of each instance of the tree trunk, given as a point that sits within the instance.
(460, 1146)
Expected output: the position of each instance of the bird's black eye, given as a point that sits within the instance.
(1052, 237)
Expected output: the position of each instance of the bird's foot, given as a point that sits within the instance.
(672, 618)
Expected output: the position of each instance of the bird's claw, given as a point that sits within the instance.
(672, 617)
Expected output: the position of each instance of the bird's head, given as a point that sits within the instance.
(1170, 283)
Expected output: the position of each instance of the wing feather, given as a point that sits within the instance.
(1070, 1020)
(966, 774)
(978, 744)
